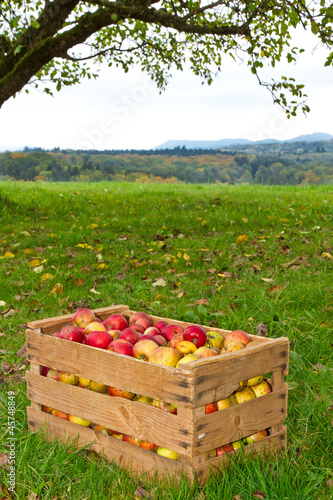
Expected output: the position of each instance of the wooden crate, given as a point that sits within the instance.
(190, 432)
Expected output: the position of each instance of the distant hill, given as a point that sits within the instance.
(223, 143)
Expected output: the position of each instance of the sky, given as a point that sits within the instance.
(126, 111)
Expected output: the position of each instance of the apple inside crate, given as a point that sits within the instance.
(199, 439)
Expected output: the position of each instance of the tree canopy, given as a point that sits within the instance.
(56, 43)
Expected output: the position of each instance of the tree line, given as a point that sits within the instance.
(304, 166)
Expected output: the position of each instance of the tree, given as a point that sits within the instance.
(56, 40)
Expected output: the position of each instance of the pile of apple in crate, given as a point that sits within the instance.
(156, 394)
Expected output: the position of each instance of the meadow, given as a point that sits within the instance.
(255, 258)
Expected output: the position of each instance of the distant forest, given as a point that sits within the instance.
(292, 163)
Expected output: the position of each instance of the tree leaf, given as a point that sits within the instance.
(159, 282)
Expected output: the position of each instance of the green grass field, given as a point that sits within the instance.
(226, 256)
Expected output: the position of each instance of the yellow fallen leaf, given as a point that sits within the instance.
(179, 254)
(38, 269)
(327, 255)
(34, 263)
(186, 256)
(92, 226)
(242, 238)
(102, 266)
(46, 276)
(9, 255)
(27, 250)
(57, 289)
(53, 235)
(92, 290)
(245, 219)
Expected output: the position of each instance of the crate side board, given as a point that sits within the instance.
(125, 416)
(106, 367)
(123, 454)
(230, 424)
(271, 445)
(217, 377)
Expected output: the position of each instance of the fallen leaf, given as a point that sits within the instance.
(46, 276)
(34, 263)
(329, 483)
(275, 288)
(2, 303)
(92, 290)
(9, 255)
(267, 280)
(186, 257)
(327, 255)
(57, 289)
(9, 313)
(6, 367)
(33, 496)
(4, 459)
(262, 329)
(242, 238)
(259, 494)
(159, 282)
(38, 269)
(201, 301)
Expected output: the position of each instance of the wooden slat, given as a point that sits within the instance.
(122, 454)
(269, 445)
(128, 417)
(170, 384)
(51, 325)
(217, 377)
(231, 424)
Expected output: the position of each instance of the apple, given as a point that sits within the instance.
(211, 408)
(131, 440)
(227, 448)
(56, 334)
(143, 348)
(146, 445)
(143, 399)
(205, 352)
(164, 405)
(82, 317)
(244, 395)
(242, 337)
(186, 359)
(47, 409)
(61, 414)
(115, 322)
(66, 329)
(114, 333)
(130, 334)
(139, 315)
(45, 370)
(54, 374)
(84, 382)
(242, 384)
(185, 347)
(68, 378)
(255, 380)
(210, 454)
(169, 331)
(176, 339)
(151, 330)
(98, 387)
(161, 324)
(233, 346)
(75, 334)
(117, 436)
(138, 328)
(233, 400)
(101, 339)
(257, 436)
(102, 429)
(156, 338)
(236, 445)
(195, 334)
(94, 326)
(165, 452)
(80, 421)
(261, 389)
(214, 339)
(121, 346)
(120, 393)
(223, 403)
(162, 355)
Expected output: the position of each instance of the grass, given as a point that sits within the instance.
(63, 246)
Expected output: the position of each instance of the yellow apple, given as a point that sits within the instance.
(187, 359)
(214, 339)
(255, 380)
(80, 421)
(165, 452)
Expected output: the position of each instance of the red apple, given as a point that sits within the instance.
(56, 334)
(169, 331)
(75, 334)
(211, 408)
(143, 348)
(238, 335)
(161, 324)
(131, 440)
(101, 339)
(178, 337)
(195, 334)
(227, 448)
(138, 328)
(121, 346)
(148, 446)
(82, 317)
(47, 409)
(138, 315)
(256, 436)
(130, 334)
(159, 339)
(164, 356)
(61, 414)
(143, 322)
(65, 330)
(120, 393)
(45, 370)
(115, 322)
